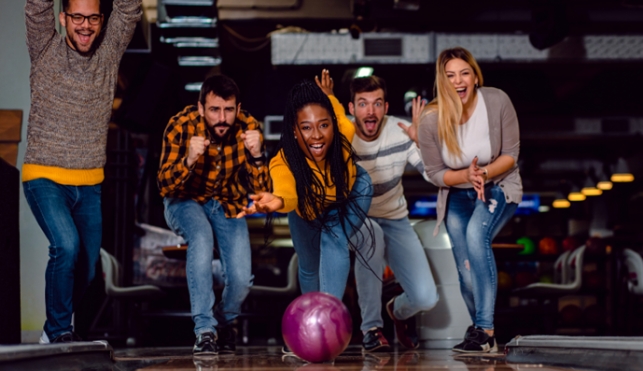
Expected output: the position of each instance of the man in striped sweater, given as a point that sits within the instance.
(73, 79)
(385, 149)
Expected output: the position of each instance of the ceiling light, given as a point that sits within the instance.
(561, 203)
(589, 189)
(604, 183)
(363, 72)
(575, 194)
(622, 172)
(622, 178)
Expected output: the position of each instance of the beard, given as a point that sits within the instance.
(220, 130)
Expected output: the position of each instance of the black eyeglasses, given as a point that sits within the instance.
(93, 19)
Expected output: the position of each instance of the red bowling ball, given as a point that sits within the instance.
(317, 327)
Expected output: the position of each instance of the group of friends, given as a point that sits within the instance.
(338, 180)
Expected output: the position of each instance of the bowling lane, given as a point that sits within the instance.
(270, 358)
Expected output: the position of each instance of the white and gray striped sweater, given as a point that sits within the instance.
(385, 160)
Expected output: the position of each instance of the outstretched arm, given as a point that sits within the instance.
(263, 202)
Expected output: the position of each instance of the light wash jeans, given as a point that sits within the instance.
(71, 218)
(199, 225)
(324, 260)
(472, 225)
(397, 243)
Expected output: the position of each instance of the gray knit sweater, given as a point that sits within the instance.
(71, 94)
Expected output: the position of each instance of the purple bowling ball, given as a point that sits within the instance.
(317, 327)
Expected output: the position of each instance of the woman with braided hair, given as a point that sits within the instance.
(317, 182)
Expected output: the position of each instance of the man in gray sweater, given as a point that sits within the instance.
(384, 147)
(73, 79)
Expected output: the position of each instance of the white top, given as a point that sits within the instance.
(385, 159)
(473, 138)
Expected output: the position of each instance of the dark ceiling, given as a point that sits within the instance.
(549, 96)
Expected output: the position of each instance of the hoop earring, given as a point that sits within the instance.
(477, 86)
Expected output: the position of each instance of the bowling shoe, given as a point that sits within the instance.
(285, 350)
(404, 329)
(460, 346)
(374, 341)
(477, 341)
(289, 355)
(65, 337)
(205, 344)
(227, 339)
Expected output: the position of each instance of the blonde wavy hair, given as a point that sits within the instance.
(447, 102)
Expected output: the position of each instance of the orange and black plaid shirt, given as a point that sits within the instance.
(225, 172)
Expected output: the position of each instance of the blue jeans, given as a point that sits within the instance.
(199, 225)
(324, 259)
(70, 217)
(472, 225)
(397, 243)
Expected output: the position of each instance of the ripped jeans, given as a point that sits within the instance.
(472, 225)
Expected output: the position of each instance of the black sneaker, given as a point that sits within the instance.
(404, 329)
(289, 354)
(205, 344)
(460, 346)
(66, 337)
(285, 350)
(477, 341)
(227, 339)
(374, 341)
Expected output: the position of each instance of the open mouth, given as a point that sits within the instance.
(84, 37)
(317, 149)
(370, 124)
(462, 92)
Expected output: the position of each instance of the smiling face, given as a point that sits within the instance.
(81, 37)
(463, 79)
(314, 131)
(219, 114)
(369, 109)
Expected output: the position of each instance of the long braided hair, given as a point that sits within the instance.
(311, 192)
(312, 202)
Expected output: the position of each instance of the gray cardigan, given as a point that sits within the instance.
(504, 136)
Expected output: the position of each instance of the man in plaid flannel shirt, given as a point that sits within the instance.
(213, 157)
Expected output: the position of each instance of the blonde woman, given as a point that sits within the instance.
(469, 139)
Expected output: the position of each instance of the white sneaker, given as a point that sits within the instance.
(44, 339)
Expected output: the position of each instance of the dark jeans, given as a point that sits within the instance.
(70, 217)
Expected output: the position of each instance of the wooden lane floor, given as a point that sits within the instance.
(270, 358)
